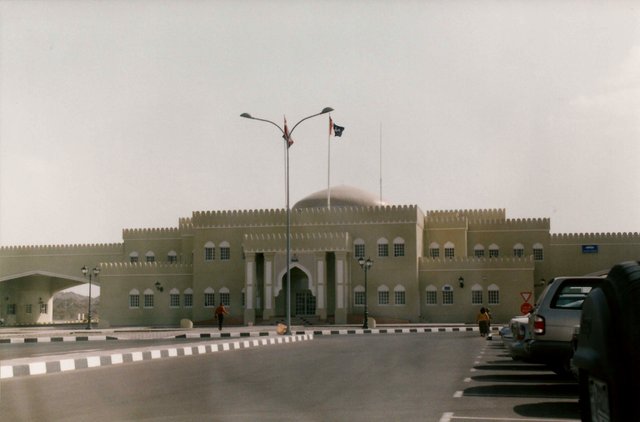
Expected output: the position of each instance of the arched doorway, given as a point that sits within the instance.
(303, 301)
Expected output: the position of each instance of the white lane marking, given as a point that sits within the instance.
(457, 394)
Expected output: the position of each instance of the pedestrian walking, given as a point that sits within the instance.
(220, 312)
(483, 321)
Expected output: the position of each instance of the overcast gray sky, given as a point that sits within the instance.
(125, 114)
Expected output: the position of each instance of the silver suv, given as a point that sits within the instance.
(554, 320)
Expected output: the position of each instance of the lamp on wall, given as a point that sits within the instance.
(461, 281)
(159, 286)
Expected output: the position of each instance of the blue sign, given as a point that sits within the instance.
(589, 248)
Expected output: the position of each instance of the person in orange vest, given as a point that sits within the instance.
(220, 312)
(483, 321)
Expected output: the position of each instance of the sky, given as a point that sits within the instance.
(126, 114)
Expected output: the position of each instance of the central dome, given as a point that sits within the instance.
(341, 196)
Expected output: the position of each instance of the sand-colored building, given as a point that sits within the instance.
(438, 266)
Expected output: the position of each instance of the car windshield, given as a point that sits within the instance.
(571, 296)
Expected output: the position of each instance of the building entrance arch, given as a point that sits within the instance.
(303, 299)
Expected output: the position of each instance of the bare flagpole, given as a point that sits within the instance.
(380, 161)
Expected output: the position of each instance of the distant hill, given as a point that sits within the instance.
(67, 306)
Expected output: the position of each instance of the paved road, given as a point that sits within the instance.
(446, 377)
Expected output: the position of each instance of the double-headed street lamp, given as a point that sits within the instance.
(286, 135)
(92, 273)
(366, 266)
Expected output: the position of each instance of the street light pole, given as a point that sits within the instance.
(366, 266)
(91, 273)
(286, 135)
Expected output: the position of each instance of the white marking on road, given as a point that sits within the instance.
(467, 380)
(450, 416)
(446, 417)
(457, 394)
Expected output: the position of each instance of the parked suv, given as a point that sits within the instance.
(554, 320)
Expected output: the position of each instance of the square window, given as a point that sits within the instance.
(359, 251)
(209, 300)
(449, 252)
(538, 254)
(174, 300)
(225, 254)
(432, 297)
(398, 249)
(400, 298)
(494, 297)
(358, 298)
(188, 300)
(134, 301)
(209, 254)
(434, 252)
(383, 249)
(476, 297)
(148, 301)
(383, 297)
(447, 297)
(225, 298)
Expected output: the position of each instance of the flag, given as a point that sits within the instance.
(337, 130)
(286, 133)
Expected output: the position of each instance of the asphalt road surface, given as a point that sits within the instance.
(441, 377)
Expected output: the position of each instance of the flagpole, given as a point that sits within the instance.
(380, 161)
(329, 166)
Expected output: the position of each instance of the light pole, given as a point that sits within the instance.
(366, 266)
(286, 135)
(91, 273)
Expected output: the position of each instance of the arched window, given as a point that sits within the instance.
(398, 246)
(493, 292)
(188, 298)
(383, 247)
(449, 250)
(478, 251)
(225, 296)
(431, 295)
(358, 248)
(518, 250)
(209, 298)
(447, 295)
(133, 257)
(434, 250)
(494, 251)
(209, 251)
(225, 251)
(383, 295)
(174, 298)
(172, 257)
(538, 252)
(476, 294)
(134, 299)
(150, 256)
(148, 299)
(358, 295)
(399, 295)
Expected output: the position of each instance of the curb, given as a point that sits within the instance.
(218, 335)
(107, 359)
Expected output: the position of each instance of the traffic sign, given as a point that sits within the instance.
(525, 296)
(526, 308)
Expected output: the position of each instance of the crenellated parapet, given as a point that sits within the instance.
(151, 233)
(426, 263)
(144, 268)
(300, 242)
(584, 238)
(470, 214)
(512, 224)
(39, 250)
(339, 215)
